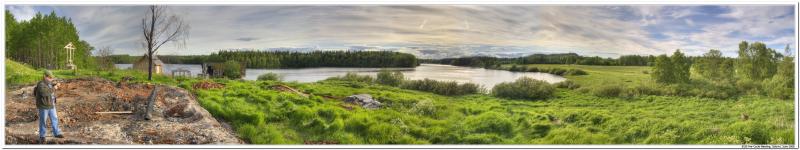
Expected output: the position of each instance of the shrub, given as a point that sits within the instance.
(608, 91)
(390, 78)
(567, 85)
(232, 69)
(269, 77)
(718, 90)
(524, 88)
(748, 86)
(779, 87)
(449, 88)
(533, 69)
(575, 72)
(641, 90)
(353, 77)
(513, 68)
(557, 71)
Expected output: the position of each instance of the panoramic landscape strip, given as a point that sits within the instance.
(382, 96)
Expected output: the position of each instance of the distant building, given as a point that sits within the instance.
(217, 70)
(181, 72)
(141, 64)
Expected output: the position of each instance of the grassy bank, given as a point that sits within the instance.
(411, 117)
(603, 75)
(262, 115)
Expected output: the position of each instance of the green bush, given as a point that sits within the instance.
(608, 91)
(748, 86)
(449, 88)
(269, 77)
(575, 72)
(557, 71)
(533, 69)
(353, 77)
(390, 78)
(779, 87)
(524, 88)
(567, 85)
(719, 90)
(232, 69)
(640, 90)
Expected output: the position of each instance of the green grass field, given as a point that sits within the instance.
(261, 115)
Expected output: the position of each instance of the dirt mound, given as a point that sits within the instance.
(177, 117)
(207, 85)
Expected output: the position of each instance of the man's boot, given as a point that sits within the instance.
(60, 136)
(41, 140)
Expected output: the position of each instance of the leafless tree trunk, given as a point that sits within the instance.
(104, 58)
(159, 27)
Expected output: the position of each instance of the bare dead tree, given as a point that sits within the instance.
(159, 26)
(104, 58)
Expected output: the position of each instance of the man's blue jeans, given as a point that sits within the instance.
(43, 114)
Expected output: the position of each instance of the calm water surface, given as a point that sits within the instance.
(486, 77)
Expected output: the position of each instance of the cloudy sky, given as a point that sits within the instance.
(438, 31)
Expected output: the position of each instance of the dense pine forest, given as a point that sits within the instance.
(287, 59)
(565, 58)
(40, 42)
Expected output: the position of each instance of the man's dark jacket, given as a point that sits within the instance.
(45, 95)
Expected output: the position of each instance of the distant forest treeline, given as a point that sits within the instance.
(287, 59)
(565, 58)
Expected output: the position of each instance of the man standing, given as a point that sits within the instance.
(45, 101)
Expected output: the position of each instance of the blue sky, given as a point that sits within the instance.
(439, 31)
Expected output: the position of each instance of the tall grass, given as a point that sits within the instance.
(261, 115)
(569, 117)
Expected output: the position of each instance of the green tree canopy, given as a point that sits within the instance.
(40, 42)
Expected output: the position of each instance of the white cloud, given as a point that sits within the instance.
(22, 12)
(461, 30)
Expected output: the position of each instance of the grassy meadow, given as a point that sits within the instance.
(261, 115)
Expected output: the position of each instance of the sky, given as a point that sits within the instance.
(443, 31)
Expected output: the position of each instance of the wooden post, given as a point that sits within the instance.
(151, 100)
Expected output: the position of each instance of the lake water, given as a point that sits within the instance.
(486, 77)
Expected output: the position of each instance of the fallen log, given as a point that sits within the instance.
(114, 112)
(150, 104)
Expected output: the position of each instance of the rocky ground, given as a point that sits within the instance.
(177, 118)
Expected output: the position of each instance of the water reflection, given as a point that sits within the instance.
(486, 77)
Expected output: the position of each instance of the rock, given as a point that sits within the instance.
(364, 100)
